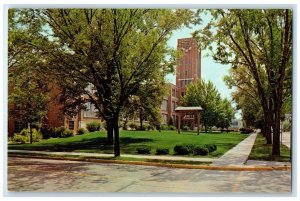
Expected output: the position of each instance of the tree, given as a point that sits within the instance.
(115, 50)
(216, 112)
(261, 41)
(146, 104)
(27, 87)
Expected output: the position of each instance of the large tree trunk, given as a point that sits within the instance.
(267, 127)
(116, 137)
(276, 134)
(110, 133)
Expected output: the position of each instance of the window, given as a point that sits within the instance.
(164, 105)
(90, 110)
(165, 116)
(173, 105)
(71, 125)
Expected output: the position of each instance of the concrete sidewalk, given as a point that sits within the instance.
(171, 158)
(238, 155)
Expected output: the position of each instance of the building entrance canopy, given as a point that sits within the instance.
(190, 110)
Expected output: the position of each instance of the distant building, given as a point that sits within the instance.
(235, 124)
(187, 71)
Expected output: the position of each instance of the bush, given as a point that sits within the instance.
(150, 127)
(211, 147)
(81, 131)
(246, 130)
(143, 150)
(202, 151)
(19, 138)
(93, 126)
(162, 151)
(58, 132)
(24, 136)
(144, 127)
(183, 149)
(67, 133)
(185, 128)
(172, 128)
(164, 127)
(47, 132)
(133, 126)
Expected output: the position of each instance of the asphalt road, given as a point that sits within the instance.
(43, 175)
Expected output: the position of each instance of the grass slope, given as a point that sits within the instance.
(130, 140)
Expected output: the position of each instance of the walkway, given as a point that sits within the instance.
(173, 158)
(286, 139)
(237, 155)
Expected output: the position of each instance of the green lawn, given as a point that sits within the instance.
(263, 151)
(130, 140)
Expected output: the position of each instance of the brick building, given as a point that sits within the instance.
(187, 71)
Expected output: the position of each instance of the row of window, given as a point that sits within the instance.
(164, 105)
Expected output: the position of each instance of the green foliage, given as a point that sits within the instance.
(162, 151)
(172, 128)
(150, 127)
(185, 127)
(184, 149)
(81, 131)
(58, 132)
(143, 150)
(171, 122)
(24, 136)
(216, 111)
(67, 133)
(286, 126)
(202, 151)
(211, 147)
(133, 126)
(47, 132)
(93, 126)
(164, 127)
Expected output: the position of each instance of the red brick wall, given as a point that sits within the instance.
(189, 67)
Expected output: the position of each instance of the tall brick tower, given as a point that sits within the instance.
(189, 67)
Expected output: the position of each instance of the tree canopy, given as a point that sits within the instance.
(116, 51)
(216, 111)
(259, 40)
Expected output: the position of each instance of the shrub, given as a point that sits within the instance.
(202, 151)
(144, 127)
(93, 126)
(133, 126)
(164, 127)
(172, 128)
(246, 130)
(81, 131)
(24, 136)
(185, 128)
(58, 131)
(19, 138)
(150, 127)
(183, 149)
(162, 151)
(143, 150)
(47, 132)
(211, 147)
(67, 133)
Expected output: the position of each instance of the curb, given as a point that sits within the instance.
(157, 164)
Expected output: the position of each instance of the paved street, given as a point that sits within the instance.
(41, 175)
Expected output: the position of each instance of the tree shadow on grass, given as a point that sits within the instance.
(97, 144)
